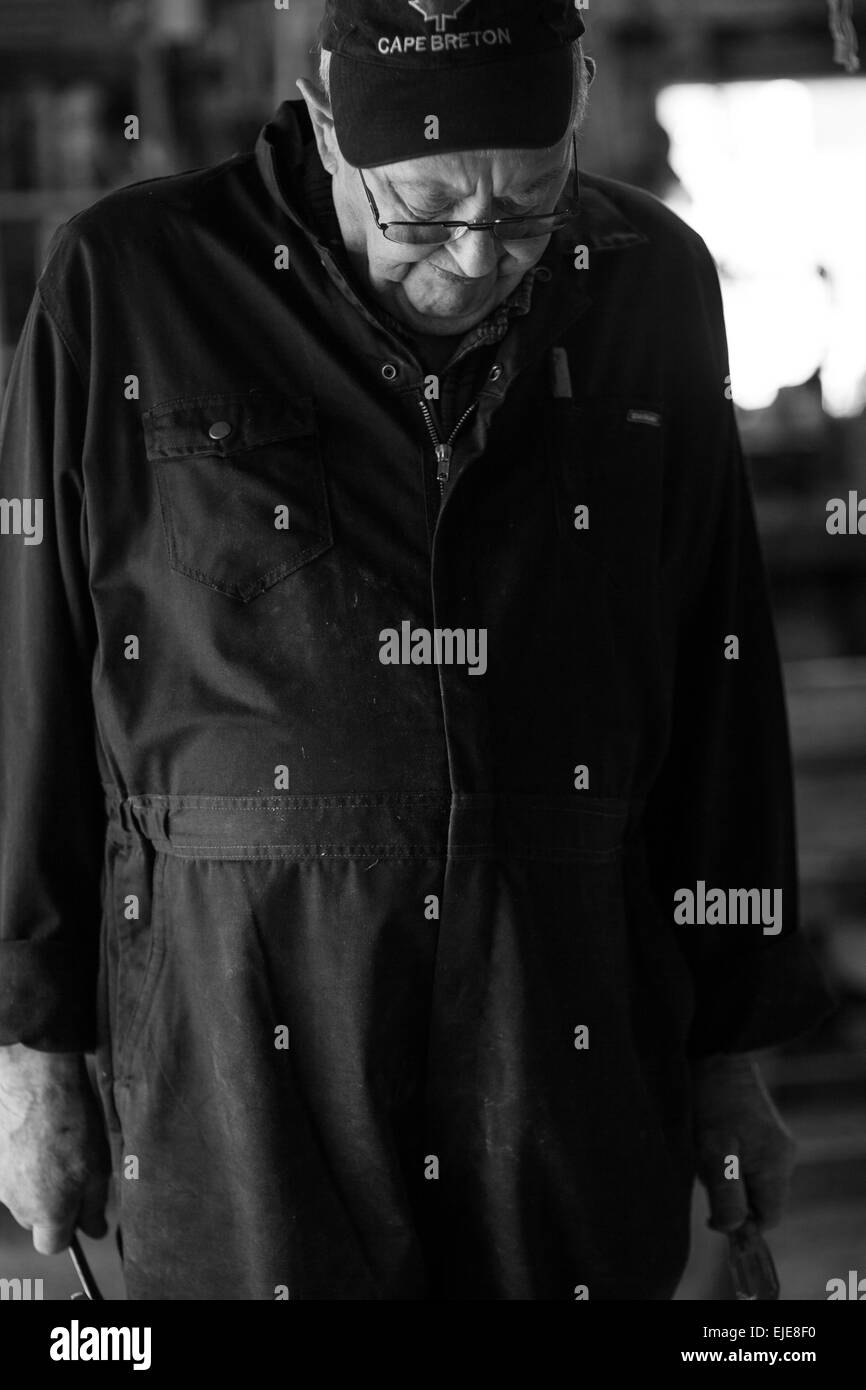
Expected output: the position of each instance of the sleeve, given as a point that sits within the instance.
(52, 818)
(721, 811)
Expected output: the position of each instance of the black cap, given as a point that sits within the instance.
(495, 74)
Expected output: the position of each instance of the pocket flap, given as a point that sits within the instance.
(187, 428)
(241, 486)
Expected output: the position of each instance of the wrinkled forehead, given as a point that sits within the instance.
(463, 171)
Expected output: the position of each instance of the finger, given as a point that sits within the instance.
(720, 1174)
(729, 1205)
(768, 1177)
(768, 1195)
(91, 1216)
(93, 1223)
(52, 1239)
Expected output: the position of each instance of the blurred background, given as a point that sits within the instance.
(736, 114)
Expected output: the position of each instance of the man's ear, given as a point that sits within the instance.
(323, 123)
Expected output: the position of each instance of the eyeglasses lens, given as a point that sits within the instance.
(414, 234)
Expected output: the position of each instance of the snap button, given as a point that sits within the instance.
(543, 273)
(495, 372)
(389, 371)
(220, 429)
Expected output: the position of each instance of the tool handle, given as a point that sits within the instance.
(752, 1267)
(82, 1269)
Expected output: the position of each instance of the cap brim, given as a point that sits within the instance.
(382, 114)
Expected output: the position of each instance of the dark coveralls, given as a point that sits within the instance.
(223, 817)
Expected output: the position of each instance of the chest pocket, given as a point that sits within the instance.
(241, 487)
(608, 458)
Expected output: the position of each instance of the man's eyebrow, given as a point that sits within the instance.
(542, 181)
(436, 186)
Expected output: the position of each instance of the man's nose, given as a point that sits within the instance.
(476, 254)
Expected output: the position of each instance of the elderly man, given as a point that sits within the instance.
(396, 784)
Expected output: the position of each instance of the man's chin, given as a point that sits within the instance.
(439, 321)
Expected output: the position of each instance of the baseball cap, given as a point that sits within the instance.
(411, 78)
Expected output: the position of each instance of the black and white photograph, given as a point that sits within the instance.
(433, 666)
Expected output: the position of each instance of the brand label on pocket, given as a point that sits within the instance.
(644, 417)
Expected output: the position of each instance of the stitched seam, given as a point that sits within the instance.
(438, 850)
(284, 567)
(304, 803)
(249, 396)
(64, 334)
(312, 854)
(258, 442)
(311, 846)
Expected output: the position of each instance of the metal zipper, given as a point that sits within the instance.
(444, 452)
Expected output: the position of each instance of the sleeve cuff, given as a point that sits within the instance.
(47, 996)
(758, 1000)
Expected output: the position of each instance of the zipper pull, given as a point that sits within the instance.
(444, 453)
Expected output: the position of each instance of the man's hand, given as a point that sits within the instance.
(735, 1117)
(54, 1162)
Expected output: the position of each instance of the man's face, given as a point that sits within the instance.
(447, 289)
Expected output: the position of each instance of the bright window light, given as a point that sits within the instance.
(773, 178)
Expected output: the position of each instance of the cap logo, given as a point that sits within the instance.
(440, 11)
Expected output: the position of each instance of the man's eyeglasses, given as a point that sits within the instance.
(524, 228)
